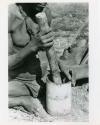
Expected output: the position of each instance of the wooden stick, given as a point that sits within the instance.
(50, 52)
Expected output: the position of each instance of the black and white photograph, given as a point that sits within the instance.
(48, 62)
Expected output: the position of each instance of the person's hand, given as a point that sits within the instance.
(43, 40)
(46, 39)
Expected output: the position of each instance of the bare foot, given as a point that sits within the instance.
(40, 111)
(33, 105)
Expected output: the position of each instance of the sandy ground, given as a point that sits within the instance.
(79, 111)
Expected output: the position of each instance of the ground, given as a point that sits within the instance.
(79, 111)
(67, 18)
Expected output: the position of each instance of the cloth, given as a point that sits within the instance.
(31, 86)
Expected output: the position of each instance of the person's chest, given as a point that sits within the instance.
(19, 34)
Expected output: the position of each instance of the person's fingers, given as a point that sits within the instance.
(48, 40)
(48, 44)
(50, 34)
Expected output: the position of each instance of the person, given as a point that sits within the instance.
(24, 66)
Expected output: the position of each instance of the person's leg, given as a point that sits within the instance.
(16, 88)
(20, 96)
(28, 102)
(19, 93)
(32, 105)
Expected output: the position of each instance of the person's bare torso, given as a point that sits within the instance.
(20, 38)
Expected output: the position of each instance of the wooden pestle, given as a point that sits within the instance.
(50, 52)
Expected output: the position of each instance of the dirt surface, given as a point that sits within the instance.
(79, 111)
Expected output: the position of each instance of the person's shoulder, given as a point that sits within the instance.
(14, 15)
(13, 10)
